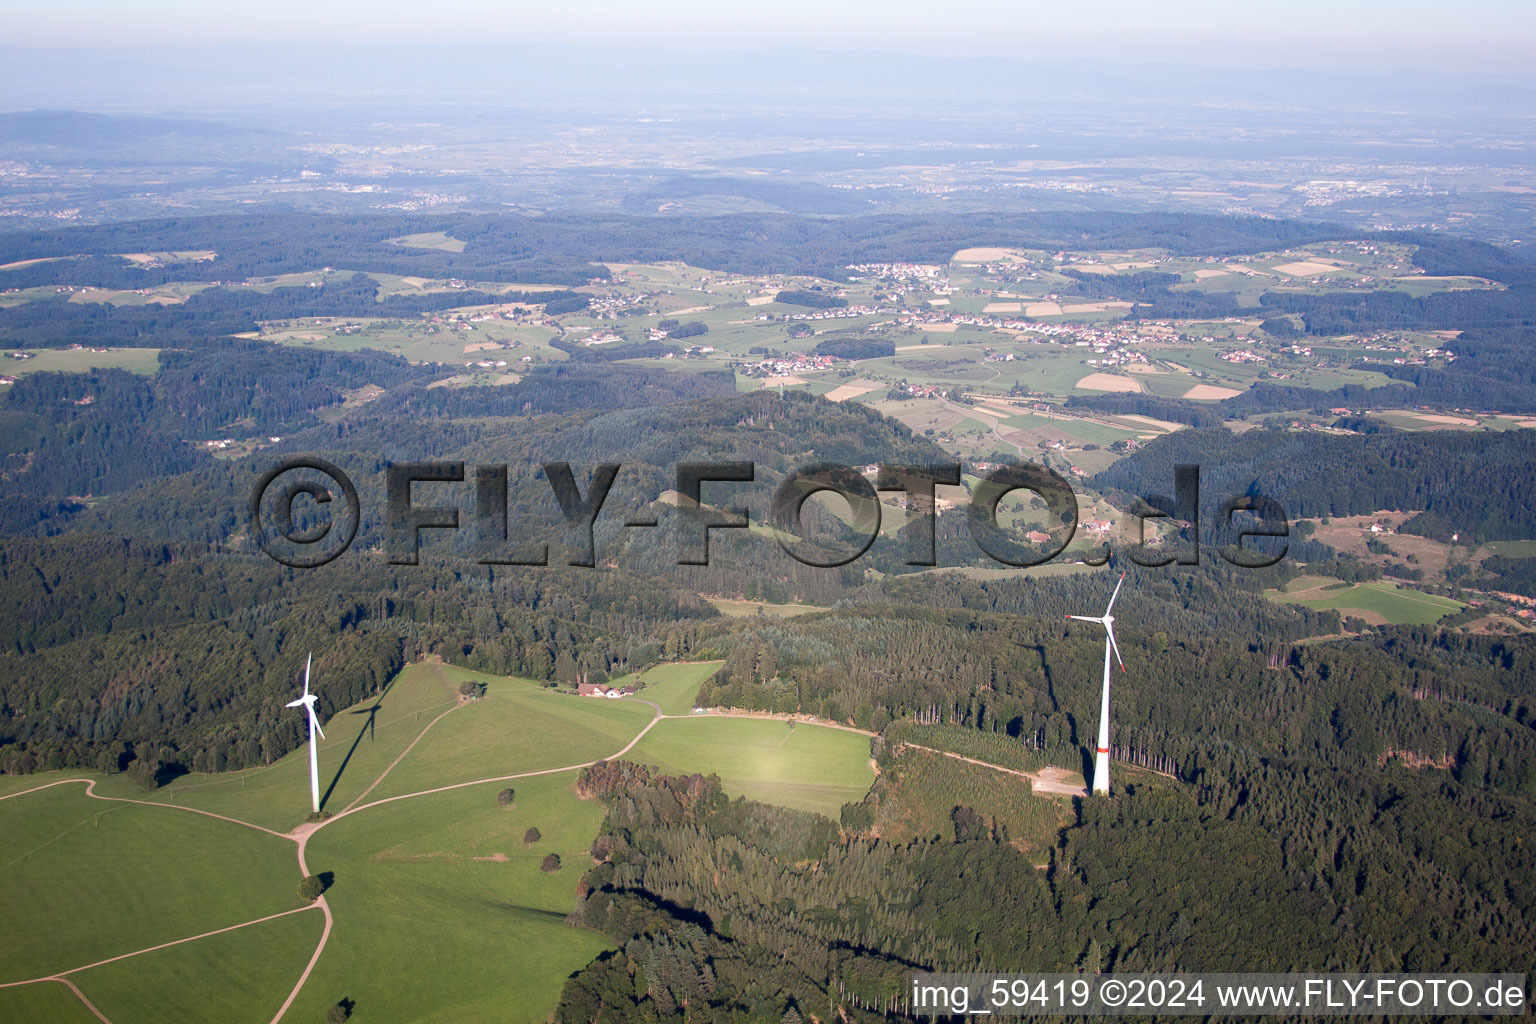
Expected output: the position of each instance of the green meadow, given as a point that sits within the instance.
(443, 913)
(239, 977)
(809, 767)
(143, 361)
(1378, 600)
(518, 726)
(49, 1001)
(91, 879)
(675, 686)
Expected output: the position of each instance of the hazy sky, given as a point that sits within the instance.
(1471, 35)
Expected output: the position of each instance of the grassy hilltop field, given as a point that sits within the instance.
(182, 904)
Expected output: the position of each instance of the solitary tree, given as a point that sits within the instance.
(339, 1013)
(146, 772)
(311, 888)
(531, 836)
(551, 863)
(505, 797)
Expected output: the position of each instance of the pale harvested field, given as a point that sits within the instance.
(939, 328)
(760, 300)
(1203, 274)
(1133, 265)
(19, 264)
(1304, 268)
(981, 254)
(481, 346)
(908, 348)
(1211, 391)
(1144, 368)
(1042, 309)
(782, 382)
(938, 302)
(1149, 421)
(843, 392)
(1458, 421)
(1094, 307)
(1109, 382)
(996, 410)
(1003, 307)
(690, 309)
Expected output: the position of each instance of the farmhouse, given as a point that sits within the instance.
(603, 690)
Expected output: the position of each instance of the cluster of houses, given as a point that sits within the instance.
(1242, 355)
(612, 305)
(897, 271)
(787, 366)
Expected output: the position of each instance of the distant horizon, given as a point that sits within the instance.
(202, 78)
(1209, 58)
(1480, 36)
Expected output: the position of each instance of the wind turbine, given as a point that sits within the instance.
(308, 701)
(1101, 751)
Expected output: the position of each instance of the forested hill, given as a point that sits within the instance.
(562, 249)
(1481, 485)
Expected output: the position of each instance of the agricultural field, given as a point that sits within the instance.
(446, 884)
(88, 879)
(1377, 602)
(144, 361)
(518, 726)
(808, 767)
(239, 976)
(674, 686)
(439, 240)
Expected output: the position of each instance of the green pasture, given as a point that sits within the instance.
(90, 879)
(1395, 604)
(46, 1001)
(808, 767)
(144, 361)
(675, 686)
(239, 977)
(518, 726)
(442, 911)
(360, 742)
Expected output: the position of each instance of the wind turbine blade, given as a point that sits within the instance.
(1115, 594)
(1114, 646)
(294, 703)
(1086, 618)
(311, 658)
(314, 723)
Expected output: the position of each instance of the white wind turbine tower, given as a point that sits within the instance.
(1101, 750)
(308, 701)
